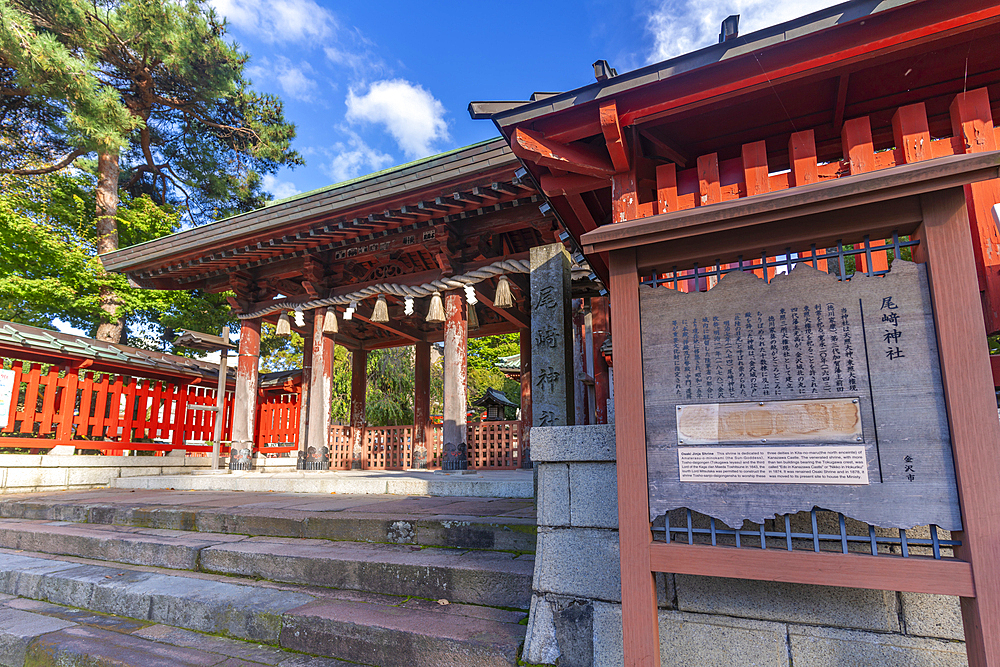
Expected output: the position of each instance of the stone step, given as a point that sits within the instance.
(464, 523)
(498, 579)
(482, 484)
(41, 633)
(174, 611)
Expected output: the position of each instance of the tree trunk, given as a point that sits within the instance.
(111, 328)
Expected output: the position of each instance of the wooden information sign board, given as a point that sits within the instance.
(764, 399)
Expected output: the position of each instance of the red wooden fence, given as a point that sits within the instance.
(112, 413)
(491, 446)
(91, 410)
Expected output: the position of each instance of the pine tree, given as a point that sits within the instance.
(152, 89)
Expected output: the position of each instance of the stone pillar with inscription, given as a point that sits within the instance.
(551, 337)
(525, 340)
(454, 431)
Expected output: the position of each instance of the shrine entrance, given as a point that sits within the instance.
(424, 254)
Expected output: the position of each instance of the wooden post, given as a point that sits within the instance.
(600, 328)
(245, 410)
(305, 388)
(525, 340)
(455, 450)
(220, 402)
(640, 626)
(947, 247)
(421, 403)
(320, 381)
(972, 126)
(359, 387)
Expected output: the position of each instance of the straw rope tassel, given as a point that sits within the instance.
(436, 311)
(504, 299)
(381, 311)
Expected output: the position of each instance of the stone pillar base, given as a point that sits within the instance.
(313, 460)
(242, 456)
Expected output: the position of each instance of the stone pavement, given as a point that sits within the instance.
(481, 484)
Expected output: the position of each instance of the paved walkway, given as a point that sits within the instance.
(481, 484)
(263, 502)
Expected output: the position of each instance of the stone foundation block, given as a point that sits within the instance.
(579, 562)
(932, 616)
(696, 639)
(553, 494)
(794, 603)
(828, 647)
(573, 443)
(593, 495)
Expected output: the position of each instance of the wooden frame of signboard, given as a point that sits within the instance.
(925, 200)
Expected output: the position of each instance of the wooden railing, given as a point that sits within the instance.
(278, 423)
(491, 446)
(91, 410)
(495, 445)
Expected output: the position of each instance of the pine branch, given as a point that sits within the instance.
(65, 162)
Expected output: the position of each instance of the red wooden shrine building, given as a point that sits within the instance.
(746, 155)
(428, 252)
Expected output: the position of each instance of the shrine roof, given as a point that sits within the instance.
(278, 223)
(507, 113)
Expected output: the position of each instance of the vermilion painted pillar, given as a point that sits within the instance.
(304, 389)
(455, 454)
(525, 339)
(602, 383)
(319, 389)
(359, 387)
(245, 408)
(421, 403)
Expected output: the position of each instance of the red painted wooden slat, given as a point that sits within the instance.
(972, 125)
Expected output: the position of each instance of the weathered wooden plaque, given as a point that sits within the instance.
(808, 392)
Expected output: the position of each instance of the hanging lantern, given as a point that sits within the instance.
(473, 318)
(408, 306)
(381, 311)
(349, 313)
(284, 328)
(470, 294)
(330, 322)
(436, 312)
(504, 299)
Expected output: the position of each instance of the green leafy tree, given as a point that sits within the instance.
(49, 268)
(151, 88)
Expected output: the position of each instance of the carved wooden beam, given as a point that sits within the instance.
(613, 135)
(572, 184)
(534, 147)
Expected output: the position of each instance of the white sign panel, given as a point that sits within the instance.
(774, 465)
(6, 395)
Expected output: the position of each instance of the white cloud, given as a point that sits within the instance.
(682, 26)
(413, 117)
(294, 80)
(280, 189)
(279, 21)
(352, 158)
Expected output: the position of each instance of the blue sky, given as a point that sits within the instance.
(374, 84)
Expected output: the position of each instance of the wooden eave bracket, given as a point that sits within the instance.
(613, 136)
(544, 152)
